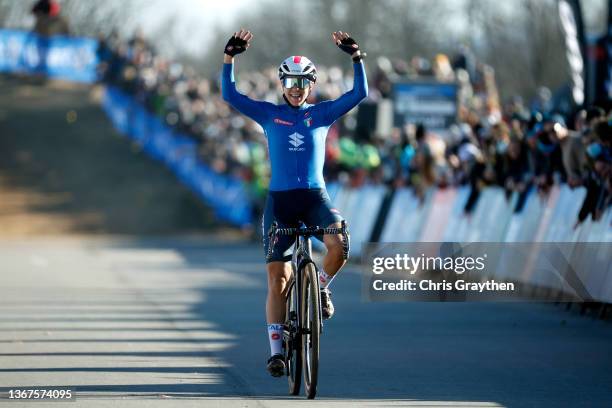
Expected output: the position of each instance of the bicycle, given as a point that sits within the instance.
(303, 322)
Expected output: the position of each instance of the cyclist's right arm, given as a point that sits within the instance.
(256, 110)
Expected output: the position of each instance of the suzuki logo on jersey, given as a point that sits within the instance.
(296, 140)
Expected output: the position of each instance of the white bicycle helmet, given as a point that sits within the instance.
(297, 66)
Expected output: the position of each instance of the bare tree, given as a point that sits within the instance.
(85, 18)
(14, 14)
(595, 16)
(93, 18)
(393, 28)
(524, 44)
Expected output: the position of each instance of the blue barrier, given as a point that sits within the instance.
(226, 195)
(59, 57)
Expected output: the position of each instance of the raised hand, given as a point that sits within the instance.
(238, 43)
(345, 42)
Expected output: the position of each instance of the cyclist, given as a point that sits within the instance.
(296, 133)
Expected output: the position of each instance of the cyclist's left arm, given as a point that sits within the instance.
(338, 107)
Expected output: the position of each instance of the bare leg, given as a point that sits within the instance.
(279, 274)
(334, 259)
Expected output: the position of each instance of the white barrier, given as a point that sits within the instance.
(491, 216)
(442, 204)
(565, 214)
(523, 226)
(599, 231)
(406, 217)
(458, 225)
(440, 218)
(548, 218)
(360, 208)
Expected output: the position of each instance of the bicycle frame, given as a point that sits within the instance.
(302, 255)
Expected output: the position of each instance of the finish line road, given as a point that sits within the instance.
(180, 322)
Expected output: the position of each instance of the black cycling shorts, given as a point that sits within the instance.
(287, 208)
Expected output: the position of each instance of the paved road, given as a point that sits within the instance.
(180, 323)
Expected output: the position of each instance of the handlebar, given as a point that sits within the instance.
(309, 231)
(305, 231)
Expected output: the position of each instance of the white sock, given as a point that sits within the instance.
(324, 279)
(275, 335)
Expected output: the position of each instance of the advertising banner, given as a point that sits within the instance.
(434, 104)
(59, 57)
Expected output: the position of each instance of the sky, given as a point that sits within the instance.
(197, 18)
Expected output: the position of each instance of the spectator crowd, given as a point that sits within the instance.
(518, 148)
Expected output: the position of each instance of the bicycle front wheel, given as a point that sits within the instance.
(311, 324)
(292, 342)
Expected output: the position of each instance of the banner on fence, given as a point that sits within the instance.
(59, 57)
(434, 104)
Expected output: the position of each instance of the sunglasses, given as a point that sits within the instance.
(300, 82)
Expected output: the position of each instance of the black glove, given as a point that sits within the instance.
(348, 45)
(235, 46)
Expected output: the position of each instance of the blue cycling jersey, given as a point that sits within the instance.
(296, 135)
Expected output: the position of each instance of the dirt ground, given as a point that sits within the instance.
(65, 170)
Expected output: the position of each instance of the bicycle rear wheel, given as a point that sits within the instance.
(292, 342)
(311, 323)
